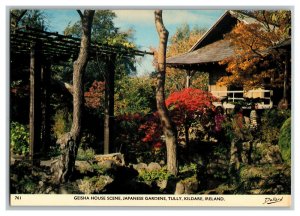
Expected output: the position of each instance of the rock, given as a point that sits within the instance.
(83, 166)
(187, 186)
(48, 190)
(162, 184)
(63, 190)
(117, 157)
(140, 166)
(107, 164)
(41, 183)
(179, 188)
(153, 166)
(94, 185)
(162, 163)
(46, 163)
(191, 187)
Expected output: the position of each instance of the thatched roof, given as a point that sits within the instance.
(211, 47)
(213, 52)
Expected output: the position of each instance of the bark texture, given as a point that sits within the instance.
(69, 142)
(35, 102)
(169, 130)
(109, 132)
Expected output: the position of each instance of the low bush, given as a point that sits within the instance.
(62, 122)
(19, 138)
(154, 175)
(271, 122)
(285, 140)
(87, 154)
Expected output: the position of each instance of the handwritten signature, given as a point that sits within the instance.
(273, 200)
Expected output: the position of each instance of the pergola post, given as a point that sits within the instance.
(45, 127)
(35, 101)
(188, 79)
(109, 105)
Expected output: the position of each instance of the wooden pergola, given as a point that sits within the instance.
(42, 49)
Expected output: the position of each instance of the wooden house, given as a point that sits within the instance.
(206, 54)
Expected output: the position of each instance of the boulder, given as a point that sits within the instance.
(107, 164)
(153, 166)
(140, 166)
(179, 188)
(117, 157)
(162, 184)
(187, 186)
(83, 166)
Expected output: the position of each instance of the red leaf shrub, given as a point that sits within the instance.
(95, 96)
(185, 107)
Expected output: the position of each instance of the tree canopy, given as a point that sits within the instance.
(255, 63)
(182, 40)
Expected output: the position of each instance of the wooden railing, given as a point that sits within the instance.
(263, 96)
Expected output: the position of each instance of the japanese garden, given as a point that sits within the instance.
(212, 117)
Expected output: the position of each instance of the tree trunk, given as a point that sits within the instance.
(169, 130)
(70, 141)
(35, 102)
(109, 132)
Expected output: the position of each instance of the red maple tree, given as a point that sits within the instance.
(185, 107)
(95, 96)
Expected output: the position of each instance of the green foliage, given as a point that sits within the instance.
(87, 154)
(28, 185)
(154, 175)
(32, 18)
(285, 140)
(266, 179)
(271, 123)
(104, 31)
(135, 95)
(95, 184)
(189, 170)
(19, 138)
(192, 167)
(54, 151)
(62, 123)
(275, 118)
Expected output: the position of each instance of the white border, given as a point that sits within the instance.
(153, 4)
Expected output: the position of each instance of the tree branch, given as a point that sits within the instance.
(63, 85)
(80, 13)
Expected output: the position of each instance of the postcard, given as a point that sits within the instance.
(168, 107)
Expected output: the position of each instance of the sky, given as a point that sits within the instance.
(142, 21)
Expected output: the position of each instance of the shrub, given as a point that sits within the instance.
(87, 154)
(62, 123)
(285, 140)
(94, 185)
(131, 140)
(189, 107)
(154, 175)
(271, 123)
(275, 118)
(19, 138)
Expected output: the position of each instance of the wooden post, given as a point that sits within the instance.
(109, 105)
(35, 100)
(188, 79)
(46, 79)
